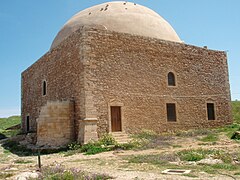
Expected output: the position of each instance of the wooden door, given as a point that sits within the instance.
(116, 118)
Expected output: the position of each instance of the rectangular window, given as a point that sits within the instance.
(171, 112)
(211, 111)
(44, 88)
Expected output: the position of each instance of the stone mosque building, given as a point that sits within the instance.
(119, 67)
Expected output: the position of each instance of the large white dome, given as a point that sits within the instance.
(123, 17)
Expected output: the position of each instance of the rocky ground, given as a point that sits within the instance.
(142, 163)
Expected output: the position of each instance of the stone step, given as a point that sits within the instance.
(121, 137)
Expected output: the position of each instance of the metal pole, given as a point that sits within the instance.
(39, 160)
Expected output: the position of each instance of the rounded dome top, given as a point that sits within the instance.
(122, 17)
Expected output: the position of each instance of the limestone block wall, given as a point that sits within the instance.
(55, 125)
(132, 71)
(62, 69)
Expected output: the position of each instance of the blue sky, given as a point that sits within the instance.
(27, 29)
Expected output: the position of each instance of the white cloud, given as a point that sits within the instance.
(9, 112)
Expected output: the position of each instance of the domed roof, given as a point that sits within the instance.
(122, 17)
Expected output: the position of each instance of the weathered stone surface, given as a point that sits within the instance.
(27, 175)
(55, 126)
(210, 161)
(97, 69)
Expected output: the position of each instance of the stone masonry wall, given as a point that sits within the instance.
(131, 71)
(55, 124)
(62, 69)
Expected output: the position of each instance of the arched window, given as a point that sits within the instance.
(171, 79)
(44, 88)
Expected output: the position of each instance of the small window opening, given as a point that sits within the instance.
(171, 112)
(27, 123)
(171, 79)
(211, 111)
(44, 88)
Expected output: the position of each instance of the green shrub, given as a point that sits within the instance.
(105, 143)
(236, 136)
(191, 155)
(93, 148)
(107, 139)
(74, 146)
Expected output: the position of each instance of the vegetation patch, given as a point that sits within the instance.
(22, 161)
(148, 139)
(5, 175)
(237, 173)
(6, 124)
(194, 133)
(236, 111)
(58, 171)
(190, 175)
(229, 130)
(199, 154)
(105, 143)
(227, 167)
(209, 138)
(145, 134)
(236, 135)
(16, 148)
(158, 159)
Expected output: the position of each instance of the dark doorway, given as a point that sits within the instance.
(28, 124)
(116, 120)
